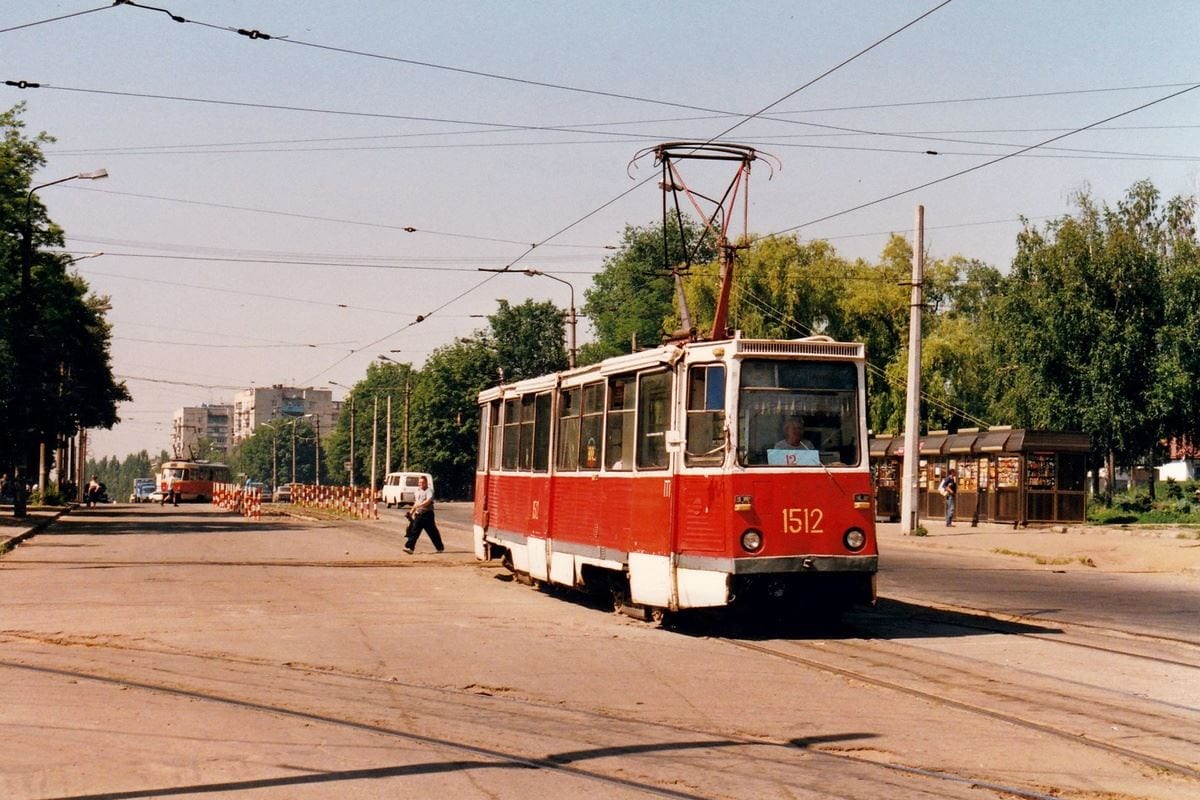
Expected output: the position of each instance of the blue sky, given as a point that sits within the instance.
(252, 245)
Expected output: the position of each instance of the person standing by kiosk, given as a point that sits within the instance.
(949, 490)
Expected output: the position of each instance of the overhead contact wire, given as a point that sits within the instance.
(54, 19)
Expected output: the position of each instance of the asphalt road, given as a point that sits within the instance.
(161, 652)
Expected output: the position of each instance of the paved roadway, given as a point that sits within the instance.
(162, 652)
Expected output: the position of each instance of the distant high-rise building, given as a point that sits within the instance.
(253, 407)
(193, 423)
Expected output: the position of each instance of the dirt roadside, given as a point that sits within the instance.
(1093, 547)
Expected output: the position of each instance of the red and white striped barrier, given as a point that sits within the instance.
(356, 503)
(235, 497)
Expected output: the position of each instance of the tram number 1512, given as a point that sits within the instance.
(802, 520)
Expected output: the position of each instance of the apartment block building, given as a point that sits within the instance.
(192, 423)
(256, 406)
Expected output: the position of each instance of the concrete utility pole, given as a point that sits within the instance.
(374, 441)
(387, 448)
(910, 491)
(406, 396)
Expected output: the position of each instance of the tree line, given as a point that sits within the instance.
(1093, 329)
(55, 365)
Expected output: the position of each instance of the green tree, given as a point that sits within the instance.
(1176, 383)
(445, 417)
(366, 410)
(1092, 307)
(782, 288)
(62, 378)
(633, 296)
(528, 339)
(273, 448)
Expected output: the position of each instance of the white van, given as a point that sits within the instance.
(399, 488)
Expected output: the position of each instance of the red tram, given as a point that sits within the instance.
(699, 474)
(192, 480)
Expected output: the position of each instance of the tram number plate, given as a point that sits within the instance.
(802, 520)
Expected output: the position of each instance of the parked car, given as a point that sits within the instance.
(400, 488)
(282, 494)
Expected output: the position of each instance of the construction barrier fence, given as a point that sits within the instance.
(355, 503)
(236, 497)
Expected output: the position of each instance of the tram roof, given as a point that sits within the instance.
(809, 347)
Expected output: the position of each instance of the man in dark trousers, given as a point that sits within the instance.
(949, 490)
(421, 518)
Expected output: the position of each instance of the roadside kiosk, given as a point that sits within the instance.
(885, 469)
(931, 467)
(1017, 476)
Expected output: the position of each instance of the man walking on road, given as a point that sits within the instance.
(421, 518)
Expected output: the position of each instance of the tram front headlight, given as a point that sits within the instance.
(855, 539)
(752, 540)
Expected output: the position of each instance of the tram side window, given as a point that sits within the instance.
(705, 415)
(482, 456)
(569, 404)
(653, 419)
(618, 433)
(525, 445)
(495, 435)
(541, 432)
(590, 426)
(512, 432)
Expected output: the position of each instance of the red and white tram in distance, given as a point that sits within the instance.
(192, 480)
(692, 475)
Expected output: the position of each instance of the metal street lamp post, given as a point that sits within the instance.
(274, 457)
(572, 318)
(407, 374)
(21, 351)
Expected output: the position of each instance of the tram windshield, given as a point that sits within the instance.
(798, 414)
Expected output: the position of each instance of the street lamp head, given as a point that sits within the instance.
(94, 175)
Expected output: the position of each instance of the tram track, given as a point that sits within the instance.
(1077, 712)
(492, 709)
(992, 621)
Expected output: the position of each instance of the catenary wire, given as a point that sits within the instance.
(795, 325)
(1077, 153)
(315, 218)
(614, 200)
(54, 19)
(242, 292)
(985, 164)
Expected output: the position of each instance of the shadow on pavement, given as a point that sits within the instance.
(164, 521)
(889, 619)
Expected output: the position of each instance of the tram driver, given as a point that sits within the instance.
(793, 436)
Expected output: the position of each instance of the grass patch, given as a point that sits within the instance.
(920, 530)
(1173, 504)
(1045, 560)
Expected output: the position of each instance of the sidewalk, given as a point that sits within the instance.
(14, 530)
(1114, 548)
